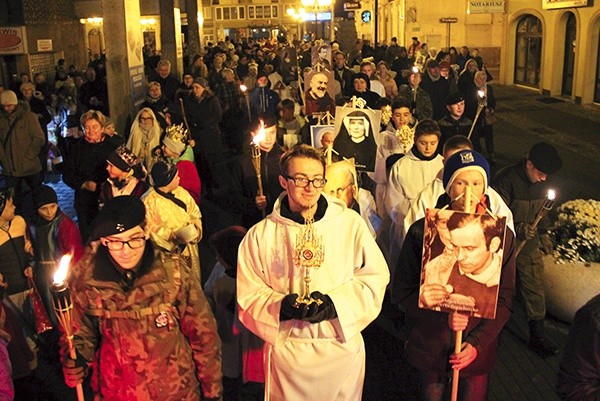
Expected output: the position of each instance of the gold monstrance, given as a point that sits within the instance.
(308, 255)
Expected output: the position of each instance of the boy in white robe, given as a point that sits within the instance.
(314, 349)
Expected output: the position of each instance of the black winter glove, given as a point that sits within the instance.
(290, 309)
(325, 311)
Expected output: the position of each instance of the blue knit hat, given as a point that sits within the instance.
(465, 160)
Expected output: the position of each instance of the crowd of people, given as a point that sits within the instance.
(236, 133)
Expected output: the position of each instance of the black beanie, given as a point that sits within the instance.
(118, 215)
(545, 158)
(163, 173)
(43, 196)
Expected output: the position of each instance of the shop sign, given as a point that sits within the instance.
(13, 40)
(552, 4)
(486, 7)
(44, 45)
(351, 6)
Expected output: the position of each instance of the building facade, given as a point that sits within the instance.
(551, 46)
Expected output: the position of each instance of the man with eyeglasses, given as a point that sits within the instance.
(144, 314)
(341, 183)
(314, 349)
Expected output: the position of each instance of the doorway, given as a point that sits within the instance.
(528, 54)
(569, 60)
(597, 81)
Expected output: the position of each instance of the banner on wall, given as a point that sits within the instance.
(13, 40)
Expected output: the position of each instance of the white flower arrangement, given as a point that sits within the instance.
(576, 234)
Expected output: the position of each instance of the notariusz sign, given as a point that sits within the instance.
(486, 7)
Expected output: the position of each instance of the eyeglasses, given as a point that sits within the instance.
(302, 182)
(116, 245)
(339, 191)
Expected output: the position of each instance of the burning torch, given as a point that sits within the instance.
(546, 207)
(256, 158)
(244, 90)
(63, 306)
(481, 100)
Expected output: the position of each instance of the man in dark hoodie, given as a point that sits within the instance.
(262, 98)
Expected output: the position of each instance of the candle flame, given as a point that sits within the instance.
(260, 135)
(551, 194)
(63, 268)
(415, 69)
(481, 94)
(243, 88)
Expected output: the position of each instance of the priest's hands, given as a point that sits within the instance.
(313, 312)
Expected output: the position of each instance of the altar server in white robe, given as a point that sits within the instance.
(313, 345)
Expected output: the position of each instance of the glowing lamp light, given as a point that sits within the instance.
(551, 194)
(260, 135)
(63, 269)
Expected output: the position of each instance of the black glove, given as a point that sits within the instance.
(325, 311)
(290, 309)
(74, 370)
(525, 232)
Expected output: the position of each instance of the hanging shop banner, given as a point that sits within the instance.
(13, 40)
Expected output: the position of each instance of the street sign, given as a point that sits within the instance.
(351, 6)
(448, 20)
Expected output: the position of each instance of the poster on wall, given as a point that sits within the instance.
(553, 4)
(13, 40)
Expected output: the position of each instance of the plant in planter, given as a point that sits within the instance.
(572, 273)
(576, 234)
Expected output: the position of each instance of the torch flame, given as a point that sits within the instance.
(260, 135)
(63, 268)
(481, 94)
(551, 194)
(243, 88)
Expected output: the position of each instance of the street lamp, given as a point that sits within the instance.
(315, 6)
(298, 15)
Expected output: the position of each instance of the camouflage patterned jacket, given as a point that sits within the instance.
(157, 341)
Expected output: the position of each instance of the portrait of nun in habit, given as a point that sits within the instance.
(355, 139)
